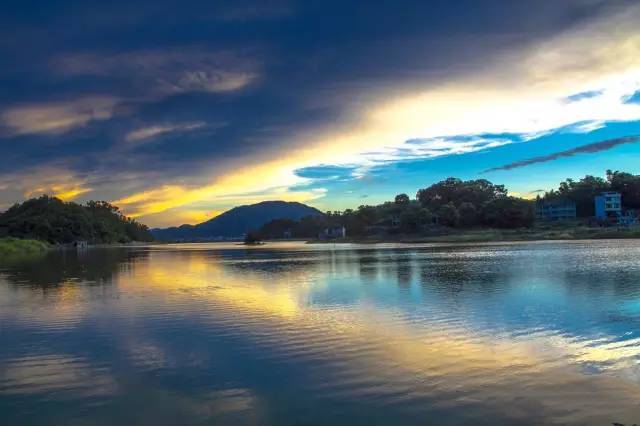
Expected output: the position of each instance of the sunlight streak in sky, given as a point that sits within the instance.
(178, 132)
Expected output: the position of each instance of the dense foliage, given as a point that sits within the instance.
(456, 191)
(583, 191)
(13, 247)
(307, 227)
(55, 221)
(449, 203)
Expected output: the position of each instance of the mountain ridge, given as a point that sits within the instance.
(236, 221)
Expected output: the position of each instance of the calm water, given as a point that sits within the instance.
(531, 333)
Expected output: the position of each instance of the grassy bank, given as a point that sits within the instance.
(488, 235)
(539, 233)
(16, 247)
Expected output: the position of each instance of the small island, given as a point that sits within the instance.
(252, 239)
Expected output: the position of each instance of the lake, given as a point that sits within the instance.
(291, 333)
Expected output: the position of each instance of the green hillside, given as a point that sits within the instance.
(57, 222)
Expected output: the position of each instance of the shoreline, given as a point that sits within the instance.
(16, 247)
(494, 235)
(12, 248)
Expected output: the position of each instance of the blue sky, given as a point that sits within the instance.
(177, 112)
(410, 175)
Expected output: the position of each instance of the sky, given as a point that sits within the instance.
(178, 111)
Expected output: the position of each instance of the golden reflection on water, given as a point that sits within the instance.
(64, 304)
(542, 370)
(194, 275)
(366, 349)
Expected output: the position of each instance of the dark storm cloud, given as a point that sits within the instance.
(77, 77)
(584, 149)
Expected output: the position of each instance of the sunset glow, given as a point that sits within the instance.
(147, 129)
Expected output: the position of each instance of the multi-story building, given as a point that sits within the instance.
(608, 208)
(555, 210)
(608, 205)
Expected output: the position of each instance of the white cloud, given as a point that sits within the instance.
(522, 92)
(57, 117)
(434, 147)
(213, 81)
(150, 132)
(588, 126)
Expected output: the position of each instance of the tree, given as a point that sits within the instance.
(468, 215)
(310, 226)
(277, 228)
(627, 185)
(252, 238)
(367, 214)
(456, 191)
(448, 214)
(469, 203)
(508, 212)
(412, 217)
(425, 216)
(581, 192)
(53, 220)
(402, 199)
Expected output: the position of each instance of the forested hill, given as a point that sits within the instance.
(237, 221)
(58, 222)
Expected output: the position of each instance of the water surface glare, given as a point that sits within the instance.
(291, 333)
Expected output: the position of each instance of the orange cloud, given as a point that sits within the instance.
(67, 194)
(248, 185)
(63, 191)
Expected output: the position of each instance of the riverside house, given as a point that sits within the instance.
(609, 210)
(333, 232)
(555, 210)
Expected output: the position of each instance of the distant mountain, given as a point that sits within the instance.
(237, 221)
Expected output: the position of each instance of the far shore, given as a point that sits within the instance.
(19, 248)
(496, 235)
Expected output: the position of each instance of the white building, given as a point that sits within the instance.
(333, 232)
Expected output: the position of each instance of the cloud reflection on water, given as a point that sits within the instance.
(416, 330)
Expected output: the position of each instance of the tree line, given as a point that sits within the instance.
(450, 203)
(583, 191)
(55, 221)
(457, 203)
